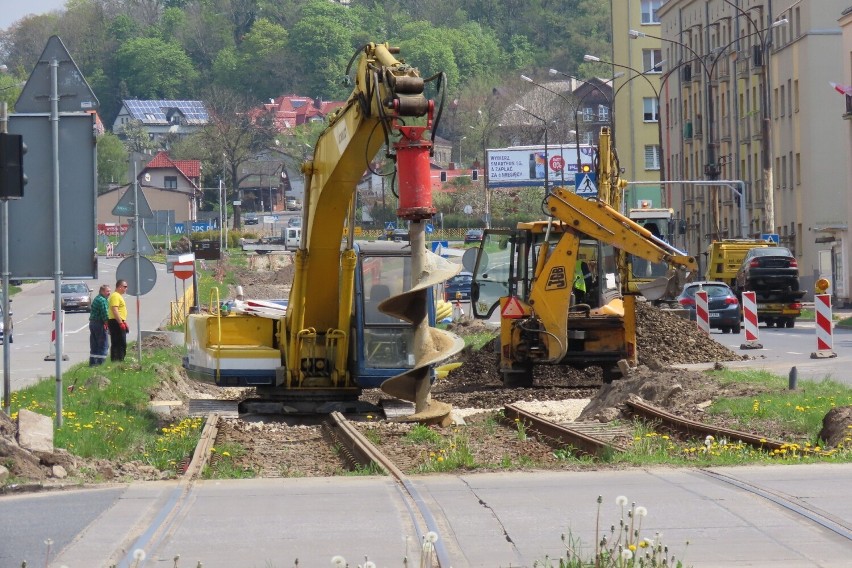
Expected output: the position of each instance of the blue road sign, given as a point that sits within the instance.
(389, 226)
(585, 184)
(430, 228)
(770, 237)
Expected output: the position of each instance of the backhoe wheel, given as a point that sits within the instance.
(518, 377)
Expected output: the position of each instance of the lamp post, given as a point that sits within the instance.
(564, 98)
(653, 88)
(458, 166)
(766, 117)
(546, 165)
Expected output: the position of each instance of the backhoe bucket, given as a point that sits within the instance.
(665, 287)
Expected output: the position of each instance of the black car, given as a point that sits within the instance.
(473, 236)
(458, 287)
(771, 272)
(721, 301)
(399, 235)
(252, 220)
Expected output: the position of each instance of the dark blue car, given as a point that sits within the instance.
(458, 287)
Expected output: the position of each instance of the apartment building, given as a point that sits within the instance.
(747, 106)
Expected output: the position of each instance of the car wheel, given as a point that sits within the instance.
(726, 330)
(790, 323)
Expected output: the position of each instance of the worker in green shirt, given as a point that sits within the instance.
(98, 328)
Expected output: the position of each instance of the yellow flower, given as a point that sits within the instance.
(632, 548)
(226, 454)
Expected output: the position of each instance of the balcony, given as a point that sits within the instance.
(697, 131)
(687, 130)
(745, 127)
(743, 68)
(723, 67)
(724, 127)
(756, 126)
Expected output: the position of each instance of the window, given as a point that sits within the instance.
(651, 60)
(649, 11)
(652, 157)
(651, 111)
(588, 114)
(170, 182)
(603, 113)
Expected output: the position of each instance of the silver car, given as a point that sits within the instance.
(76, 297)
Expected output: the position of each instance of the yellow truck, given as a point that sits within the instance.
(724, 258)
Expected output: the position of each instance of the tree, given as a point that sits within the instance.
(112, 162)
(255, 66)
(155, 69)
(136, 139)
(234, 135)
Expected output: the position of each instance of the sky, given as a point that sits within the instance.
(13, 10)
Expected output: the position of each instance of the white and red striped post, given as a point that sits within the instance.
(702, 311)
(825, 343)
(51, 350)
(750, 319)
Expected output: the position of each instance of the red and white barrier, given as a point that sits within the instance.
(109, 250)
(750, 319)
(825, 342)
(51, 350)
(702, 311)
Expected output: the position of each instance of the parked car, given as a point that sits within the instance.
(399, 235)
(252, 220)
(11, 326)
(458, 287)
(473, 236)
(292, 204)
(75, 297)
(771, 272)
(294, 222)
(721, 301)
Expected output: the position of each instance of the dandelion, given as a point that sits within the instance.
(641, 511)
(138, 555)
(626, 554)
(369, 564)
(621, 501)
(338, 561)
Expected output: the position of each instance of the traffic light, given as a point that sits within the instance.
(443, 176)
(474, 175)
(12, 178)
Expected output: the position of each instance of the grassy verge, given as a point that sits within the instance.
(106, 415)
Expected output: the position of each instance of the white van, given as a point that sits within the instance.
(292, 237)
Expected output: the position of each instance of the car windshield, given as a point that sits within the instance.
(460, 279)
(74, 289)
(713, 290)
(772, 251)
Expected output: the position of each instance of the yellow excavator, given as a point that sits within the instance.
(562, 294)
(359, 314)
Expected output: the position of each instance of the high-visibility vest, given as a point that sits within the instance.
(579, 277)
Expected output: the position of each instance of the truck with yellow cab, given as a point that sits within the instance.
(359, 314)
(536, 273)
(725, 258)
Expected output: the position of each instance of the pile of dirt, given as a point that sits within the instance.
(268, 277)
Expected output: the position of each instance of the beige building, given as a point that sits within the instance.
(748, 79)
(636, 104)
(169, 186)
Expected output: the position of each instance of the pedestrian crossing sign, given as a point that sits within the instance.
(585, 184)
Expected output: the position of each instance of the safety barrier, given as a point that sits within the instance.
(825, 342)
(51, 350)
(179, 309)
(750, 319)
(702, 311)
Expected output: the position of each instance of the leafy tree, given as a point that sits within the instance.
(321, 46)
(136, 139)
(255, 66)
(112, 161)
(155, 69)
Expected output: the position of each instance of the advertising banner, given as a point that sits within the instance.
(524, 166)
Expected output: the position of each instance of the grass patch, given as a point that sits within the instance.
(105, 412)
(479, 339)
(224, 463)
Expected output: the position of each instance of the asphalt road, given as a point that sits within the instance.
(32, 309)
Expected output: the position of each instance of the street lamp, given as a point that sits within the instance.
(546, 165)
(458, 166)
(766, 118)
(564, 98)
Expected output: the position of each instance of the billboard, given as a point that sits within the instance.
(525, 166)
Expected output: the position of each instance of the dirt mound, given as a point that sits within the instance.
(268, 277)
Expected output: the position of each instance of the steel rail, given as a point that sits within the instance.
(585, 444)
(362, 450)
(691, 427)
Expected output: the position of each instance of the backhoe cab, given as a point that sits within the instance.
(561, 286)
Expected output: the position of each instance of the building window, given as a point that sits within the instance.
(652, 157)
(589, 138)
(588, 114)
(649, 11)
(652, 60)
(651, 111)
(603, 113)
(170, 182)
